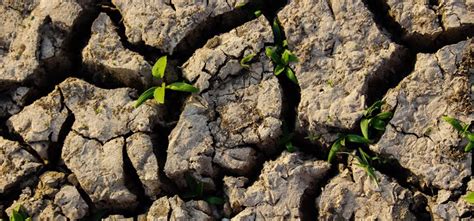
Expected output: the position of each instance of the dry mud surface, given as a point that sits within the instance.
(73, 147)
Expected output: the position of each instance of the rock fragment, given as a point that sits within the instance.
(164, 24)
(424, 22)
(16, 165)
(237, 113)
(13, 100)
(337, 62)
(36, 46)
(107, 126)
(140, 151)
(279, 191)
(50, 198)
(174, 208)
(357, 196)
(108, 61)
(445, 206)
(40, 123)
(417, 136)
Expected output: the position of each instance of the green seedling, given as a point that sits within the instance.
(257, 13)
(365, 162)
(19, 215)
(342, 141)
(469, 197)
(280, 55)
(286, 139)
(196, 190)
(244, 62)
(158, 92)
(463, 130)
(374, 119)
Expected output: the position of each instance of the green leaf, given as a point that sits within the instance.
(469, 197)
(271, 53)
(145, 96)
(469, 146)
(466, 128)
(160, 94)
(368, 113)
(291, 75)
(364, 127)
(214, 200)
(276, 30)
(357, 139)
(285, 43)
(159, 68)
(181, 86)
(470, 136)
(377, 124)
(454, 122)
(257, 13)
(290, 147)
(279, 69)
(384, 115)
(334, 149)
(16, 216)
(245, 60)
(288, 57)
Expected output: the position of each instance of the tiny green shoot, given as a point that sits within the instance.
(374, 119)
(463, 130)
(244, 62)
(365, 162)
(257, 13)
(158, 71)
(280, 55)
(469, 197)
(196, 190)
(19, 215)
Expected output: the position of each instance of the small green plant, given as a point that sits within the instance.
(341, 142)
(469, 197)
(280, 55)
(286, 139)
(244, 62)
(463, 130)
(196, 190)
(374, 119)
(158, 93)
(19, 215)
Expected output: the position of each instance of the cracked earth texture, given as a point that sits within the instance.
(73, 147)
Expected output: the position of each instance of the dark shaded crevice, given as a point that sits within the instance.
(309, 204)
(416, 42)
(133, 183)
(151, 54)
(393, 71)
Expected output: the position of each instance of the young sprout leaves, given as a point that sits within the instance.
(280, 55)
(375, 120)
(19, 215)
(159, 68)
(257, 13)
(181, 86)
(336, 146)
(365, 162)
(244, 62)
(463, 130)
(469, 198)
(158, 93)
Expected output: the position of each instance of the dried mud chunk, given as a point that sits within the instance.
(236, 116)
(337, 62)
(417, 136)
(40, 123)
(359, 197)
(424, 21)
(16, 165)
(163, 24)
(108, 61)
(279, 191)
(47, 200)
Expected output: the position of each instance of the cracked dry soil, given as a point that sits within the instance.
(73, 147)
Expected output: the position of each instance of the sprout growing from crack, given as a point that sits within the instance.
(19, 215)
(158, 92)
(463, 130)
